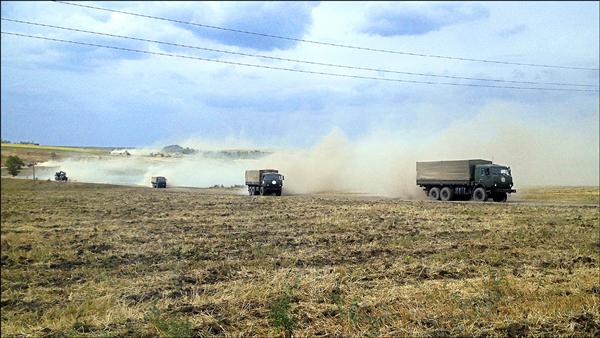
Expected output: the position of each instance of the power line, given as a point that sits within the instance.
(294, 70)
(327, 43)
(296, 60)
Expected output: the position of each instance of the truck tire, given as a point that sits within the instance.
(499, 197)
(479, 195)
(447, 194)
(434, 193)
(262, 191)
(278, 193)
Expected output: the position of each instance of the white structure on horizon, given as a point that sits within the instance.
(120, 152)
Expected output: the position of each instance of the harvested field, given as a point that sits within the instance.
(561, 194)
(30, 153)
(91, 260)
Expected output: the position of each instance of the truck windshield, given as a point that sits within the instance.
(270, 177)
(501, 171)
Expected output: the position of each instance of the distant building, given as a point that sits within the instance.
(120, 152)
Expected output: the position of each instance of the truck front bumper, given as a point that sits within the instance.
(506, 190)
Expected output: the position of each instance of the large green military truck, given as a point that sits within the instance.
(264, 182)
(478, 179)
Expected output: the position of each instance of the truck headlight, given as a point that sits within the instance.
(273, 182)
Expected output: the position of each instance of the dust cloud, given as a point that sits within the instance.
(384, 163)
(381, 163)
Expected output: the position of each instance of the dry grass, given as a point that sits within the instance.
(99, 260)
(561, 194)
(30, 153)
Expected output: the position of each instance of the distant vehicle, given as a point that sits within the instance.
(264, 182)
(159, 182)
(478, 179)
(61, 176)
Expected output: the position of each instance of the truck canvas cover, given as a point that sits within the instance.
(447, 171)
(253, 176)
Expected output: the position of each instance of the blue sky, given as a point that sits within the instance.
(55, 93)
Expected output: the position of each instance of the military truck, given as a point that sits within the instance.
(158, 182)
(60, 176)
(478, 179)
(264, 182)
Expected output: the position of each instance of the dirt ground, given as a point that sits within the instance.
(101, 260)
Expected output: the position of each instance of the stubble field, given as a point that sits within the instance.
(100, 260)
(31, 153)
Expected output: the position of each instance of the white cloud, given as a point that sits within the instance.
(118, 99)
(397, 18)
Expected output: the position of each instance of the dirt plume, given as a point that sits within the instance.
(381, 162)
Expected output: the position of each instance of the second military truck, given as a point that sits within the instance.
(478, 179)
(158, 182)
(264, 182)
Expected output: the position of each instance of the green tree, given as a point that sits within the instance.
(14, 165)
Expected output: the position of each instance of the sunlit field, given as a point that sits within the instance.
(102, 260)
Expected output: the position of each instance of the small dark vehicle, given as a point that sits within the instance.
(159, 182)
(61, 176)
(478, 179)
(264, 182)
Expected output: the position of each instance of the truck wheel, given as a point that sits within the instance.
(499, 197)
(446, 194)
(250, 192)
(278, 193)
(434, 193)
(262, 191)
(479, 195)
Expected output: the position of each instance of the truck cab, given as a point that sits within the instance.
(264, 182)
(493, 175)
(272, 182)
(159, 182)
(60, 176)
(495, 179)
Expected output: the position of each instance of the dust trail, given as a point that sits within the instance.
(384, 163)
(186, 171)
(339, 165)
(381, 163)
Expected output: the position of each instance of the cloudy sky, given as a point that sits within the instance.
(64, 94)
